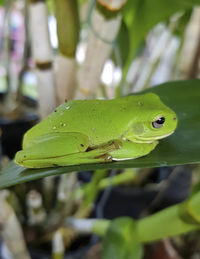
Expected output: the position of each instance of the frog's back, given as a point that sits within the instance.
(98, 119)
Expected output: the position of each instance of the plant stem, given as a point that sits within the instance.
(6, 42)
(100, 227)
(11, 231)
(90, 194)
(128, 175)
(172, 221)
(42, 54)
(68, 27)
(163, 224)
(58, 245)
(102, 34)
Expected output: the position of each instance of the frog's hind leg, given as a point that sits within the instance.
(97, 155)
(39, 152)
(63, 149)
(89, 157)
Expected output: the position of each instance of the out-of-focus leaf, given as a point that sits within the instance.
(123, 43)
(51, 6)
(141, 15)
(2, 2)
(67, 17)
(181, 23)
(119, 241)
(182, 147)
(80, 2)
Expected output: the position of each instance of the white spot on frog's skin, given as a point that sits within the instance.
(93, 129)
(140, 103)
(67, 107)
(54, 127)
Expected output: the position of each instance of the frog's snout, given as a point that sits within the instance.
(175, 121)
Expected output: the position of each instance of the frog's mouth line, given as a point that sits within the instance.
(150, 140)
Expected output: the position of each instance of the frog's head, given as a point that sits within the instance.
(153, 120)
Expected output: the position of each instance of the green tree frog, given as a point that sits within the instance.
(93, 131)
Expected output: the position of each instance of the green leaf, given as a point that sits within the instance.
(123, 43)
(51, 6)
(81, 2)
(182, 23)
(183, 147)
(2, 2)
(67, 18)
(141, 15)
(120, 241)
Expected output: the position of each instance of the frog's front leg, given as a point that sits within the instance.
(131, 150)
(61, 149)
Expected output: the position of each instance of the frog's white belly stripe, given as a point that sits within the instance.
(121, 159)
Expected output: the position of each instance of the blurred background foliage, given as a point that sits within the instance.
(81, 49)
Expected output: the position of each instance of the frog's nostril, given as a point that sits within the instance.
(174, 118)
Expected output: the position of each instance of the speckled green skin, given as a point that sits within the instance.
(110, 127)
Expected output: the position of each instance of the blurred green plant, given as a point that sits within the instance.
(123, 237)
(141, 16)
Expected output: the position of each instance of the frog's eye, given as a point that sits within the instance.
(158, 122)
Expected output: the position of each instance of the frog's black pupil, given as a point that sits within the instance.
(161, 120)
